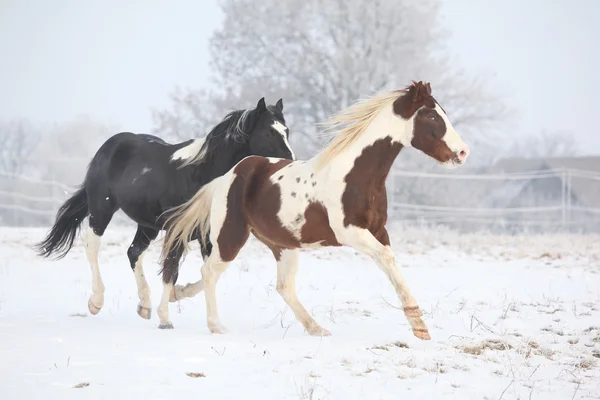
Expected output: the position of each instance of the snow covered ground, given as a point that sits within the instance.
(510, 318)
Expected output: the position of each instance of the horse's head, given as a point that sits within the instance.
(430, 131)
(270, 136)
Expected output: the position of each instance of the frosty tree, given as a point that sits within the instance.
(321, 55)
(545, 145)
(17, 140)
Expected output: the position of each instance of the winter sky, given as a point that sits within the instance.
(113, 60)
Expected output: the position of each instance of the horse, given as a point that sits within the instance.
(336, 198)
(144, 176)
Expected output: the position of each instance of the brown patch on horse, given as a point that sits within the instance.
(365, 198)
(316, 226)
(264, 203)
(251, 182)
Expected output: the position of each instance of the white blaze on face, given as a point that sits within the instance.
(453, 141)
(281, 128)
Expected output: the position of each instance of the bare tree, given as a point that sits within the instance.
(193, 114)
(65, 152)
(321, 55)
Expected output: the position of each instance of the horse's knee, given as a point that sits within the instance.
(386, 256)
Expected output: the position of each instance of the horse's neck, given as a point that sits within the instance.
(371, 167)
(371, 156)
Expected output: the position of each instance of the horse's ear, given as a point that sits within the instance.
(279, 104)
(417, 91)
(428, 87)
(261, 106)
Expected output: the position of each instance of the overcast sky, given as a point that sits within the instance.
(113, 60)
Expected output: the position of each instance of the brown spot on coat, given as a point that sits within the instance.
(316, 226)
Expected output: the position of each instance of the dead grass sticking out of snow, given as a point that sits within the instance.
(81, 385)
(195, 374)
(488, 344)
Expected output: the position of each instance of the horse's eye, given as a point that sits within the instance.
(432, 117)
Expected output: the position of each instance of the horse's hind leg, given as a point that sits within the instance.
(212, 269)
(287, 267)
(170, 273)
(143, 237)
(98, 221)
(228, 247)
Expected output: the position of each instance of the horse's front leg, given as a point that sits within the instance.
(180, 292)
(378, 248)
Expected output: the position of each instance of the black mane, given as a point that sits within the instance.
(234, 128)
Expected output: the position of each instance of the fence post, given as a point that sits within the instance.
(564, 196)
(569, 196)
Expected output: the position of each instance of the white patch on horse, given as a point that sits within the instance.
(142, 283)
(452, 139)
(296, 191)
(91, 242)
(282, 129)
(189, 151)
(145, 170)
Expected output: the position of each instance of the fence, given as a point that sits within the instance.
(30, 201)
(548, 200)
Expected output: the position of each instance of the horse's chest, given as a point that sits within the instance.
(365, 207)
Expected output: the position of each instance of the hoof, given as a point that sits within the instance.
(144, 312)
(167, 325)
(93, 309)
(318, 331)
(422, 334)
(217, 329)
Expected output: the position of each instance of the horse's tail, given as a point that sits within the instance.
(68, 220)
(192, 215)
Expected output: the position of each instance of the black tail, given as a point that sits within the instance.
(68, 220)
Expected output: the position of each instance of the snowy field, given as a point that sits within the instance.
(510, 318)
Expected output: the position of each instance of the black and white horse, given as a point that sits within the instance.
(144, 176)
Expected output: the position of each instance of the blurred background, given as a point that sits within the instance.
(518, 78)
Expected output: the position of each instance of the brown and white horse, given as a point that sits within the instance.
(337, 198)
